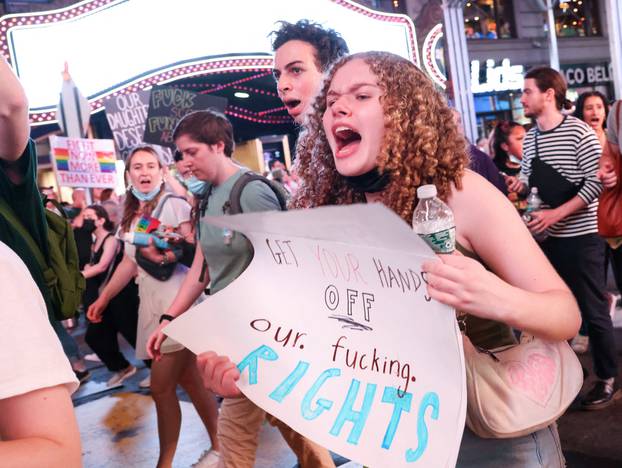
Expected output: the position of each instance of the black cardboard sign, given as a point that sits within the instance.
(168, 105)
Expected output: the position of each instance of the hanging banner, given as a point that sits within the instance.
(334, 334)
(80, 162)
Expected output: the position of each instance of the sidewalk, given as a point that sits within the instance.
(593, 439)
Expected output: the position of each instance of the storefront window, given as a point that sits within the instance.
(577, 18)
(489, 19)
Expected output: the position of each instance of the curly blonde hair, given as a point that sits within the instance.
(421, 143)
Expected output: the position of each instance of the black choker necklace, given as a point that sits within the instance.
(370, 182)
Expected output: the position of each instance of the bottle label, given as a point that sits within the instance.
(443, 242)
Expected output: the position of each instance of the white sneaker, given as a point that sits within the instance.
(146, 382)
(613, 302)
(580, 344)
(118, 377)
(92, 357)
(209, 459)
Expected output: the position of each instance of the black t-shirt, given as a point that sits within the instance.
(127, 298)
(84, 240)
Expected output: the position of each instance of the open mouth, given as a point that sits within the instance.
(292, 103)
(144, 183)
(347, 140)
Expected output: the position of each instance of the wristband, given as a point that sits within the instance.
(165, 261)
(163, 317)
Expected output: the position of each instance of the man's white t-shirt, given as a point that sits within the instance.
(31, 356)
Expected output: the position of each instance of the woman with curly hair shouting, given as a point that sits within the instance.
(377, 132)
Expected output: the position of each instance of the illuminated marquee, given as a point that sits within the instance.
(119, 46)
(432, 51)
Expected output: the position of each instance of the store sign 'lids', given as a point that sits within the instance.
(504, 77)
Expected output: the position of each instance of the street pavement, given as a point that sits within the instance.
(118, 426)
(593, 439)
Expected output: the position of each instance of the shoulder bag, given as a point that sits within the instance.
(519, 389)
(159, 271)
(610, 201)
(553, 188)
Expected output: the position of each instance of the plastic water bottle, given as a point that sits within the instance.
(142, 239)
(434, 221)
(534, 203)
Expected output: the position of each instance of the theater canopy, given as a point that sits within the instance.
(119, 46)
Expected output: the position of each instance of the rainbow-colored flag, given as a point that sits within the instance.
(62, 158)
(147, 224)
(106, 160)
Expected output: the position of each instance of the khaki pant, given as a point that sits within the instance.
(239, 423)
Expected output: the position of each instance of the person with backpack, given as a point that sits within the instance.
(121, 316)
(205, 139)
(42, 239)
(37, 424)
(148, 210)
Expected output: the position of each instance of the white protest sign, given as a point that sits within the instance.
(334, 334)
(80, 162)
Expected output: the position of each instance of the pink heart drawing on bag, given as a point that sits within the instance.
(534, 377)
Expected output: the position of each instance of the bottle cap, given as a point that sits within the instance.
(534, 189)
(426, 191)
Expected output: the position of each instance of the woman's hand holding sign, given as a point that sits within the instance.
(219, 374)
(464, 284)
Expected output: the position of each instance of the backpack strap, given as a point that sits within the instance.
(618, 106)
(158, 210)
(234, 206)
(57, 205)
(9, 215)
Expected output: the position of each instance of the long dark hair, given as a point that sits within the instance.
(502, 133)
(548, 78)
(132, 204)
(580, 104)
(101, 213)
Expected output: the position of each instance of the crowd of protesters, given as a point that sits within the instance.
(321, 86)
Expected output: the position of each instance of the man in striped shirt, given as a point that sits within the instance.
(560, 157)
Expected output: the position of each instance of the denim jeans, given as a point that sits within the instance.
(70, 347)
(537, 450)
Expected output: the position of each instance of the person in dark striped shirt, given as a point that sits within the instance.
(560, 157)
